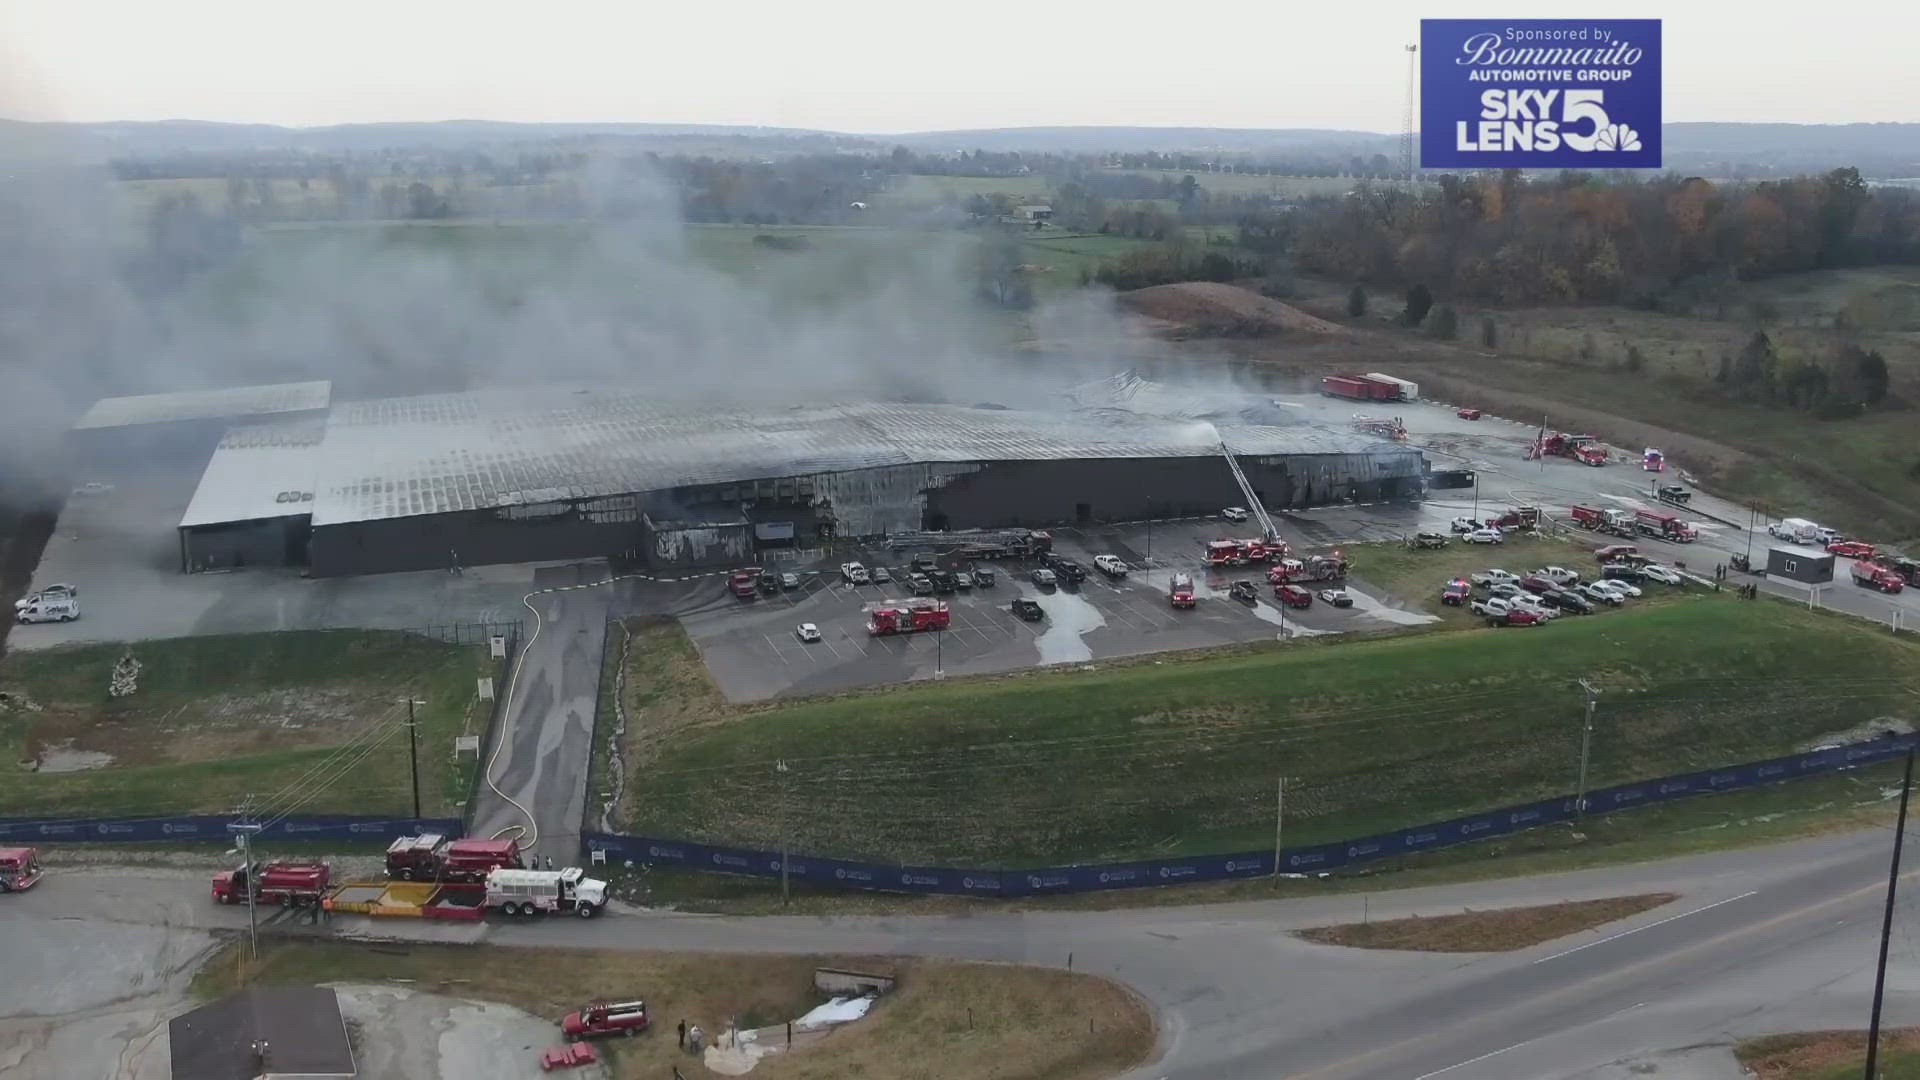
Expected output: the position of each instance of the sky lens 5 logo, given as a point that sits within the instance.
(1540, 93)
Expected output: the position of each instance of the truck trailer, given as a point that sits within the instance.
(1358, 388)
(1406, 391)
(511, 892)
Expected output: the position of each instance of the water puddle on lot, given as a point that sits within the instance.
(1388, 613)
(1069, 615)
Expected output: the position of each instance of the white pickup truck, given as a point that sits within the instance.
(1110, 565)
(854, 573)
(1496, 577)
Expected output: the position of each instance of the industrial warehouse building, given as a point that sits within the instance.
(536, 474)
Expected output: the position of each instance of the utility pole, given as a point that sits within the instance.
(243, 834)
(1750, 523)
(786, 845)
(1149, 530)
(413, 754)
(1406, 120)
(939, 654)
(1886, 921)
(1279, 819)
(1586, 743)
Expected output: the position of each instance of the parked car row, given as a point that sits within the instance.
(1510, 599)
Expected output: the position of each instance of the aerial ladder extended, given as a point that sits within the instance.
(1269, 533)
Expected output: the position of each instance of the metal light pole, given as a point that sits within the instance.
(1751, 512)
(786, 845)
(413, 755)
(243, 834)
(1586, 742)
(1886, 922)
(1279, 819)
(1149, 530)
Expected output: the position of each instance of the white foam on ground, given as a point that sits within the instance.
(837, 1011)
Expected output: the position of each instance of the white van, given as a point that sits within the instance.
(44, 608)
(1797, 530)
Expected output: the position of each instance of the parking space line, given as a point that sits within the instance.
(776, 650)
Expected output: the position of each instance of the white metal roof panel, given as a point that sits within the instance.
(259, 471)
(232, 401)
(440, 453)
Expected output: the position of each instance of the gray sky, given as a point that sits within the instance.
(881, 67)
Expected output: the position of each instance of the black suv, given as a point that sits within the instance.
(1066, 568)
(1566, 600)
(1622, 572)
(925, 561)
(942, 581)
(1028, 609)
(983, 576)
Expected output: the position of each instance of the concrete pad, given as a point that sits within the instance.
(402, 1034)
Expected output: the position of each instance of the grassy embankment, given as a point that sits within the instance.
(1831, 1055)
(949, 1020)
(1179, 753)
(1500, 930)
(215, 719)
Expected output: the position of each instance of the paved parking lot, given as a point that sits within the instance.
(753, 651)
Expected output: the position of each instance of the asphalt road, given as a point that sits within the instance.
(1762, 940)
(539, 759)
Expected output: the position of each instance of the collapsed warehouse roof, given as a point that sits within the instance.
(226, 403)
(440, 453)
(1130, 392)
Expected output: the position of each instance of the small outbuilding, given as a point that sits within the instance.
(1803, 564)
(264, 1033)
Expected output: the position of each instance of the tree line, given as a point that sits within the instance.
(1580, 237)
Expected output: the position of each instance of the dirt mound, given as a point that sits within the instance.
(1209, 307)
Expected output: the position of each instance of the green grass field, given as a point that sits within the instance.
(215, 719)
(1181, 754)
(924, 192)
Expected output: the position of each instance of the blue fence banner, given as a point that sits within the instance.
(1540, 93)
(1311, 859)
(214, 827)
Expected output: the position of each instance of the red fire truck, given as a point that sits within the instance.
(1244, 552)
(1312, 568)
(1664, 526)
(606, 1018)
(289, 884)
(907, 617)
(1582, 448)
(1874, 576)
(1612, 522)
(19, 868)
(1180, 591)
(431, 857)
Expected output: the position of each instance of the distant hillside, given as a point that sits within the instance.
(1715, 149)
